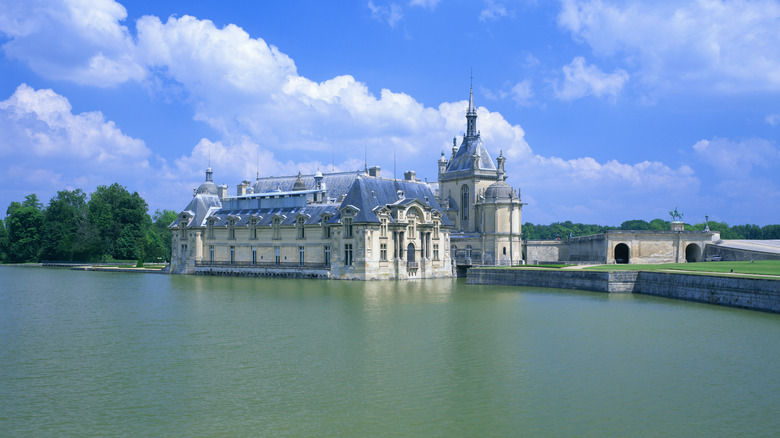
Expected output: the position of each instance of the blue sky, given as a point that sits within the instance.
(606, 110)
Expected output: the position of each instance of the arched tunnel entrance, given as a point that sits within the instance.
(621, 253)
(692, 253)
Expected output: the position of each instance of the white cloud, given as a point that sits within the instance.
(390, 14)
(522, 92)
(773, 119)
(580, 80)
(729, 46)
(737, 159)
(493, 10)
(76, 40)
(429, 4)
(46, 148)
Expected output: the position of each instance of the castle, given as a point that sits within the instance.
(356, 225)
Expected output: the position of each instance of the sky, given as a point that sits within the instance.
(606, 111)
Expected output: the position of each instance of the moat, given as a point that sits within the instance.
(109, 354)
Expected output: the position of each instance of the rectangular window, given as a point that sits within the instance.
(347, 228)
(327, 255)
(436, 252)
(383, 251)
(231, 232)
(210, 230)
(232, 255)
(348, 254)
(301, 255)
(253, 230)
(254, 256)
(383, 228)
(277, 255)
(211, 253)
(301, 227)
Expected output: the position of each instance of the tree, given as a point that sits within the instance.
(635, 224)
(659, 225)
(771, 232)
(62, 220)
(158, 236)
(3, 242)
(24, 223)
(119, 219)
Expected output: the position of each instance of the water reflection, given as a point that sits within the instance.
(204, 356)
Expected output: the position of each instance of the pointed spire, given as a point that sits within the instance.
(471, 113)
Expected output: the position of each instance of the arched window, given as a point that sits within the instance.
(231, 229)
(464, 203)
(253, 228)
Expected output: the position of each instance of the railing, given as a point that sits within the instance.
(412, 265)
(260, 265)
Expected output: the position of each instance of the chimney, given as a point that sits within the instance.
(409, 175)
(374, 171)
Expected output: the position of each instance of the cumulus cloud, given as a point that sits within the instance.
(580, 80)
(728, 46)
(76, 40)
(45, 147)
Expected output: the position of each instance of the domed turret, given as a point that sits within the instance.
(499, 190)
(299, 184)
(208, 187)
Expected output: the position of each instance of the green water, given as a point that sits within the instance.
(108, 354)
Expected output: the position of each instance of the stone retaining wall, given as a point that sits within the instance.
(748, 293)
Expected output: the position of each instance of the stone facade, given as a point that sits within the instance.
(348, 225)
(620, 246)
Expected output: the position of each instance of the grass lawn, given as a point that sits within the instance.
(758, 267)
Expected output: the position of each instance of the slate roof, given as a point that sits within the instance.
(368, 193)
(363, 192)
(336, 184)
(462, 158)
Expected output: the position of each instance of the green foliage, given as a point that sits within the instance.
(24, 223)
(3, 242)
(560, 230)
(139, 263)
(63, 216)
(564, 230)
(120, 220)
(110, 224)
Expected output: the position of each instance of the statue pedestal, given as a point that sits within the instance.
(678, 226)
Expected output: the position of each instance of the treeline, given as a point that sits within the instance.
(565, 230)
(109, 224)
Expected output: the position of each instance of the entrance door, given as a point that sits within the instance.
(621, 253)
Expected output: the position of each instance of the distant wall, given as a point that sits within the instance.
(734, 254)
(542, 251)
(748, 293)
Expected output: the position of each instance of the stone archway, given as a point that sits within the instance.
(692, 253)
(622, 253)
